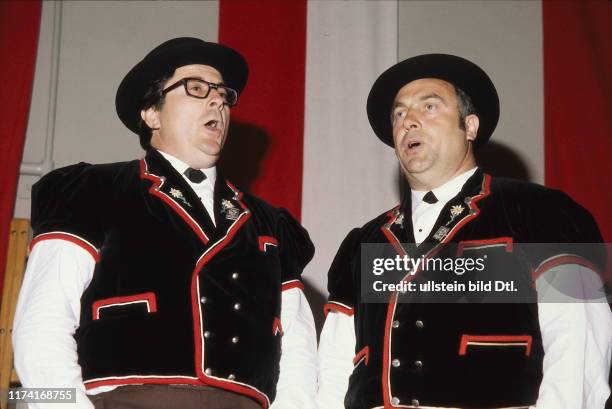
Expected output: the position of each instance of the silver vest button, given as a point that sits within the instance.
(419, 324)
(206, 334)
(231, 377)
(235, 276)
(415, 402)
(395, 401)
(418, 364)
(237, 306)
(203, 300)
(395, 324)
(395, 363)
(235, 340)
(208, 371)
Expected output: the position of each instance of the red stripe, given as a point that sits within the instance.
(563, 260)
(467, 244)
(577, 66)
(292, 284)
(148, 297)
(131, 381)
(277, 327)
(154, 190)
(364, 353)
(263, 240)
(331, 306)
(271, 34)
(465, 339)
(68, 237)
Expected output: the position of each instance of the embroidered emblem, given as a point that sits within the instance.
(456, 211)
(230, 210)
(441, 233)
(400, 220)
(177, 194)
(227, 204)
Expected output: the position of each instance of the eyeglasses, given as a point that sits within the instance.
(198, 88)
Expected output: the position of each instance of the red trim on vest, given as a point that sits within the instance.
(149, 298)
(336, 306)
(277, 327)
(469, 244)
(243, 390)
(561, 260)
(154, 190)
(495, 340)
(363, 354)
(73, 238)
(389, 234)
(267, 240)
(484, 192)
(195, 304)
(141, 380)
(288, 285)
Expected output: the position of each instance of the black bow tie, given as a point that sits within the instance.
(430, 198)
(195, 175)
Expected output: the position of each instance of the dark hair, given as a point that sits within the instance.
(465, 106)
(153, 98)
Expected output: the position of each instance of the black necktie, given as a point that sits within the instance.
(430, 198)
(195, 175)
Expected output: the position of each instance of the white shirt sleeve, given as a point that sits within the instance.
(577, 339)
(46, 317)
(297, 383)
(336, 351)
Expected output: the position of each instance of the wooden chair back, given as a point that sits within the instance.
(13, 276)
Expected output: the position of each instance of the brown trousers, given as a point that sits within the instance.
(171, 397)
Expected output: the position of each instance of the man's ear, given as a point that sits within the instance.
(471, 127)
(151, 117)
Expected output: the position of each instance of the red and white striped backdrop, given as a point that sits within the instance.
(303, 138)
(320, 58)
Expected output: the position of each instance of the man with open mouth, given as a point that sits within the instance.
(451, 350)
(157, 283)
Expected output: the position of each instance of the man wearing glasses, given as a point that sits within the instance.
(156, 283)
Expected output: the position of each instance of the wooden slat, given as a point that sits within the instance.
(13, 276)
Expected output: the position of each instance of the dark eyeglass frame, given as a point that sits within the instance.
(230, 92)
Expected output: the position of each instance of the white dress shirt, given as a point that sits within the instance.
(204, 190)
(577, 337)
(48, 314)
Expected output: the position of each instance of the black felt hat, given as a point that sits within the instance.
(167, 57)
(456, 70)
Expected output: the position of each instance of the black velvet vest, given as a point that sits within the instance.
(173, 298)
(456, 354)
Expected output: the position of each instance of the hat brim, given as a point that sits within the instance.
(456, 70)
(166, 58)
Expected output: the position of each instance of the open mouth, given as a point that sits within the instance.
(213, 125)
(413, 145)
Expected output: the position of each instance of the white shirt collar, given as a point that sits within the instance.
(444, 192)
(181, 167)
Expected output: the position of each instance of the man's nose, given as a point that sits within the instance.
(411, 121)
(215, 99)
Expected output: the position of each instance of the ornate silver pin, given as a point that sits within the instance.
(441, 233)
(230, 210)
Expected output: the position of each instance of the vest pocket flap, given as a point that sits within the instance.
(495, 341)
(362, 356)
(505, 243)
(122, 305)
